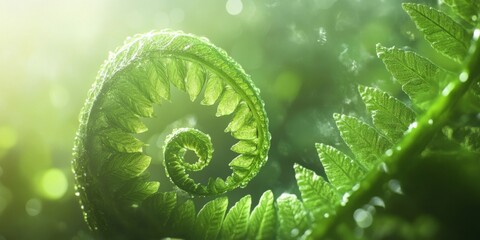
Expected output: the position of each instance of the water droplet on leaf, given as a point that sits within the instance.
(363, 218)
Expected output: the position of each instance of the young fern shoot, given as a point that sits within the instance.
(110, 163)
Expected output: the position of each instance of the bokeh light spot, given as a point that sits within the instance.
(287, 85)
(8, 137)
(53, 183)
(33, 207)
(234, 7)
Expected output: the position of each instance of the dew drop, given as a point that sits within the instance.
(446, 91)
(326, 215)
(77, 194)
(399, 148)
(345, 199)
(370, 208)
(356, 187)
(383, 166)
(294, 232)
(363, 218)
(394, 186)
(234, 7)
(377, 201)
(474, 18)
(430, 121)
(463, 76)
(389, 152)
(476, 34)
(412, 126)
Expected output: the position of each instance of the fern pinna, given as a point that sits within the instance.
(120, 201)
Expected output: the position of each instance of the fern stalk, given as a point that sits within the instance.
(413, 143)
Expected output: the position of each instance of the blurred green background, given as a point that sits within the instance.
(306, 56)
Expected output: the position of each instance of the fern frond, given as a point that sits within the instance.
(318, 196)
(390, 116)
(110, 164)
(442, 32)
(235, 225)
(262, 221)
(468, 10)
(421, 80)
(210, 219)
(364, 141)
(182, 220)
(342, 171)
(293, 219)
(418, 76)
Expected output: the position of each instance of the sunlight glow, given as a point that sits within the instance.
(54, 183)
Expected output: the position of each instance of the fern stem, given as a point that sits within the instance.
(403, 155)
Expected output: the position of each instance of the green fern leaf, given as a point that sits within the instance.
(159, 206)
(124, 119)
(262, 221)
(293, 219)
(318, 196)
(444, 34)
(228, 102)
(390, 116)
(210, 218)
(123, 166)
(182, 219)
(135, 191)
(468, 10)
(120, 141)
(213, 90)
(417, 75)
(235, 225)
(364, 141)
(342, 171)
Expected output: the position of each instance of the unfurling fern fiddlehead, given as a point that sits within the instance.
(109, 161)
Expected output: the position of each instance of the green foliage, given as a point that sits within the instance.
(262, 221)
(210, 218)
(235, 225)
(444, 34)
(111, 166)
(293, 218)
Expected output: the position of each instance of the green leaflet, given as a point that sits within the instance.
(159, 206)
(364, 141)
(390, 116)
(135, 191)
(235, 225)
(210, 218)
(183, 219)
(468, 10)
(318, 196)
(293, 219)
(262, 221)
(122, 166)
(444, 34)
(418, 76)
(342, 171)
